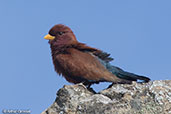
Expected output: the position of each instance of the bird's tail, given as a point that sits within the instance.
(132, 77)
(128, 76)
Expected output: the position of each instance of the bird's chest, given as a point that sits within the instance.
(60, 61)
(64, 61)
(70, 56)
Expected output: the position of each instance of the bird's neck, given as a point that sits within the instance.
(61, 47)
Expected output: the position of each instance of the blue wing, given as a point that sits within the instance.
(105, 60)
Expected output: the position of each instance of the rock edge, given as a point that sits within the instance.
(136, 98)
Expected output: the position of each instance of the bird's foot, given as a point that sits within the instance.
(110, 85)
(91, 90)
(122, 82)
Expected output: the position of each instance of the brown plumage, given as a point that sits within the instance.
(78, 62)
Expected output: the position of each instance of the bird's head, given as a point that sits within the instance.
(61, 35)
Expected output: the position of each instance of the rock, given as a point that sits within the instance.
(137, 98)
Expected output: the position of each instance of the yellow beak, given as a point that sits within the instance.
(49, 37)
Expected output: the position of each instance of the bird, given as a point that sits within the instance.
(79, 63)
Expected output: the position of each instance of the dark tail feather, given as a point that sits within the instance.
(132, 77)
(145, 79)
(128, 76)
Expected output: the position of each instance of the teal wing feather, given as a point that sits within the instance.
(119, 72)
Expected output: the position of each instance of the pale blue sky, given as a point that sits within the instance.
(136, 33)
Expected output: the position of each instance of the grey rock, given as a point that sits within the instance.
(136, 98)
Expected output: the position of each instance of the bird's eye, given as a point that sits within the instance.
(61, 33)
